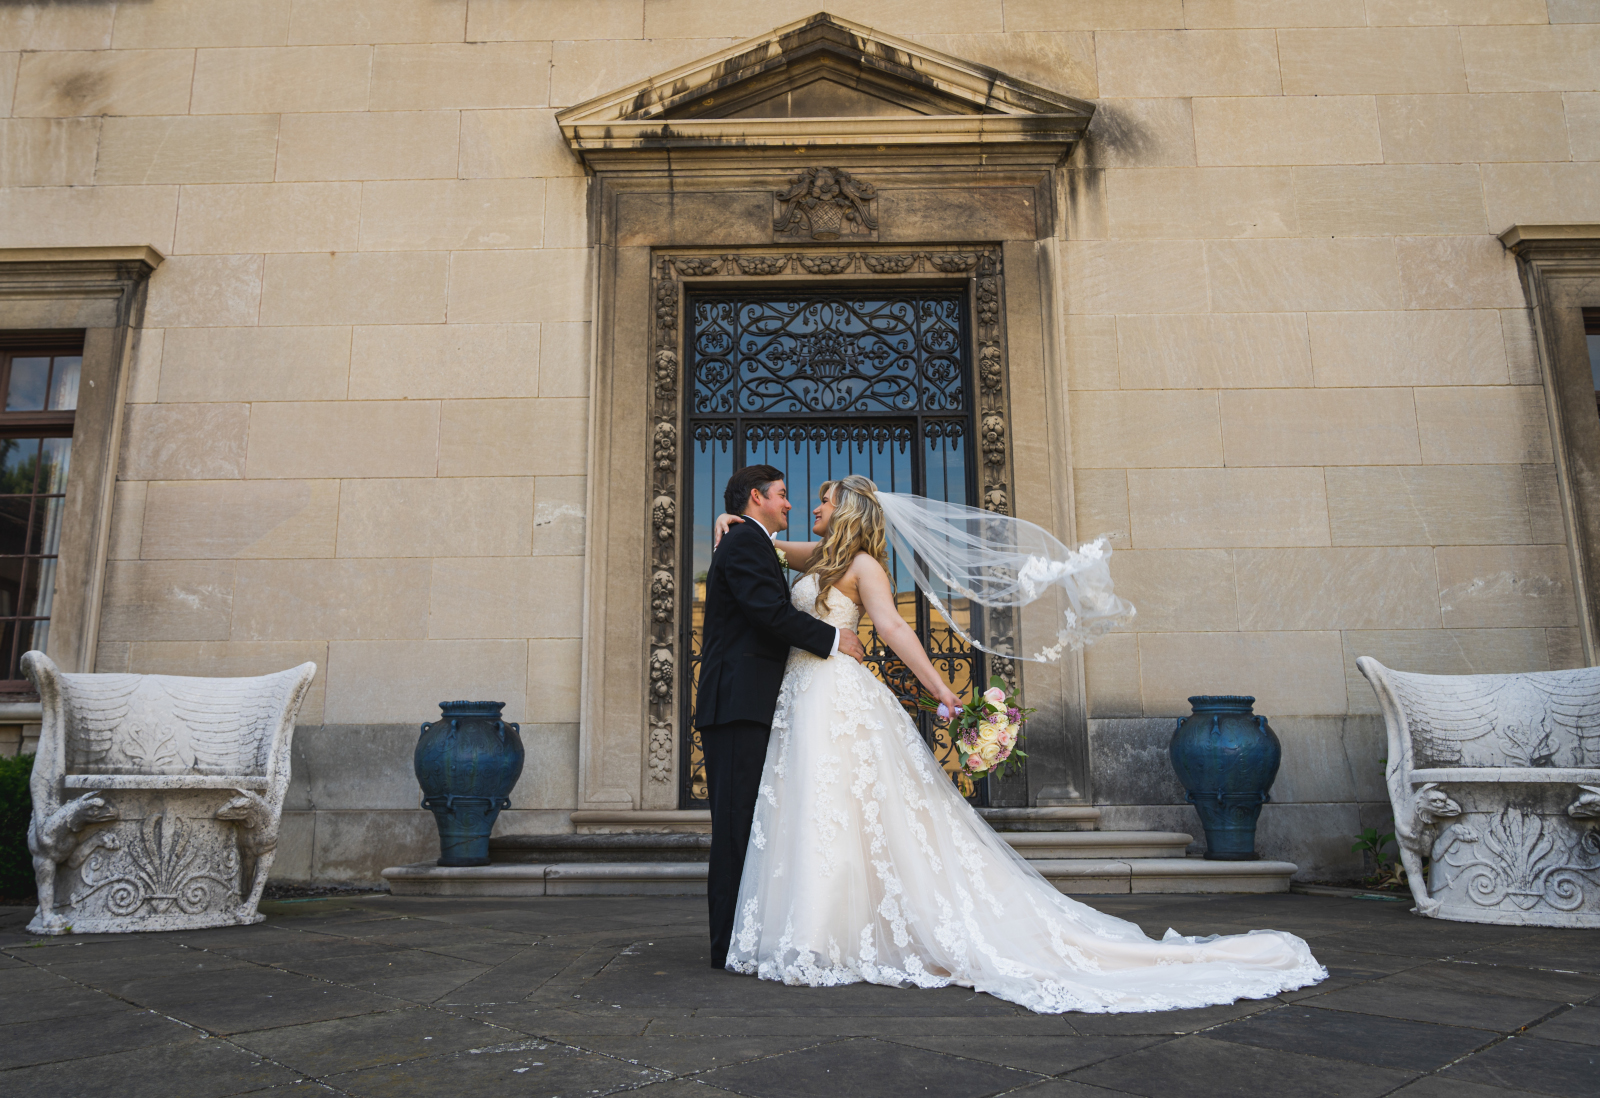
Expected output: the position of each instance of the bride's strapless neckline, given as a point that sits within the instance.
(842, 613)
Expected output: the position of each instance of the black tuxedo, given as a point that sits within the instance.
(749, 627)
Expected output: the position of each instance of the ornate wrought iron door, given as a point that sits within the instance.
(821, 385)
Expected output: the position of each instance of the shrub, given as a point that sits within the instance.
(16, 807)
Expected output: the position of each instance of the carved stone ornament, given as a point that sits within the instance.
(661, 675)
(666, 447)
(698, 265)
(827, 264)
(182, 783)
(826, 204)
(662, 595)
(660, 755)
(664, 514)
(989, 375)
(993, 431)
(1495, 779)
(762, 264)
(888, 264)
(666, 374)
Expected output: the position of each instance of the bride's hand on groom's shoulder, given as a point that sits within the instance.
(723, 524)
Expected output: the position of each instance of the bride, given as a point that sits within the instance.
(866, 864)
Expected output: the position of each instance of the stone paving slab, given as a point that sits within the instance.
(381, 995)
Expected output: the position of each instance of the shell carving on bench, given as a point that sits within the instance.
(157, 798)
(1495, 785)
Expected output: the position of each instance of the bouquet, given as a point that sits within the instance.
(986, 731)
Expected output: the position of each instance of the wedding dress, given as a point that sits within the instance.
(866, 864)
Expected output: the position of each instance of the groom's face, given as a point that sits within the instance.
(771, 509)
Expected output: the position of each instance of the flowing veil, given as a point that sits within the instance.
(1005, 585)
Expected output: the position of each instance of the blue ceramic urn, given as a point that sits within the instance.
(1226, 757)
(467, 762)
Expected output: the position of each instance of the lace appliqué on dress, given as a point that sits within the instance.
(866, 864)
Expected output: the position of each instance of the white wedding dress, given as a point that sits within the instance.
(866, 864)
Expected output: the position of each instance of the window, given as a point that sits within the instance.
(1591, 331)
(38, 401)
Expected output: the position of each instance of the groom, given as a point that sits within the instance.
(750, 626)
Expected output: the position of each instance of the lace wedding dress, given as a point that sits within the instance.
(866, 864)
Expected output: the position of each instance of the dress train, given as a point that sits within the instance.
(866, 864)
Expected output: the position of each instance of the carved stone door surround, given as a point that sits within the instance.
(1560, 268)
(959, 186)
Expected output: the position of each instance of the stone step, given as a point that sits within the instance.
(680, 847)
(698, 821)
(1075, 876)
(1066, 818)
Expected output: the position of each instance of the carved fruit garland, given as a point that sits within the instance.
(992, 427)
(664, 519)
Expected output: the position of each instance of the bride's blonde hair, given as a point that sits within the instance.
(857, 526)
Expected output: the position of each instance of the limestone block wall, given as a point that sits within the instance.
(1304, 396)
(1302, 390)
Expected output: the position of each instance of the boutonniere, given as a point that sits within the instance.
(783, 558)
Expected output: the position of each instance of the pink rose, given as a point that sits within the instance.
(995, 697)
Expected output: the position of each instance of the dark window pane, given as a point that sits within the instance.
(14, 524)
(64, 383)
(19, 463)
(10, 584)
(57, 459)
(40, 587)
(30, 378)
(8, 650)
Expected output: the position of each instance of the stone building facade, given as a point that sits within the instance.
(371, 300)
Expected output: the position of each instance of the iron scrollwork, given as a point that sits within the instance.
(876, 353)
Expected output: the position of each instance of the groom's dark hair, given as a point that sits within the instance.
(736, 497)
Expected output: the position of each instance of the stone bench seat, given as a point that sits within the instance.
(166, 781)
(1495, 782)
(157, 798)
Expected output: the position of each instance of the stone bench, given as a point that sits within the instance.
(1496, 780)
(156, 798)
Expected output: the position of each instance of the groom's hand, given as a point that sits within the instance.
(850, 645)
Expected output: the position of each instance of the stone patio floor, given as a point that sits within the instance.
(379, 995)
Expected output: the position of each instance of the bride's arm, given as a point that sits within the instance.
(877, 598)
(798, 553)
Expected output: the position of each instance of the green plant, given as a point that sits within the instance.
(16, 808)
(1390, 874)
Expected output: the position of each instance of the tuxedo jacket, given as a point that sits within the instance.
(749, 627)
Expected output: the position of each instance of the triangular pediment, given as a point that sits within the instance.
(820, 81)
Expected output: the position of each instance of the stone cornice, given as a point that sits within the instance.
(1522, 239)
(142, 254)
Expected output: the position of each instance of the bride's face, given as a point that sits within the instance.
(823, 514)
